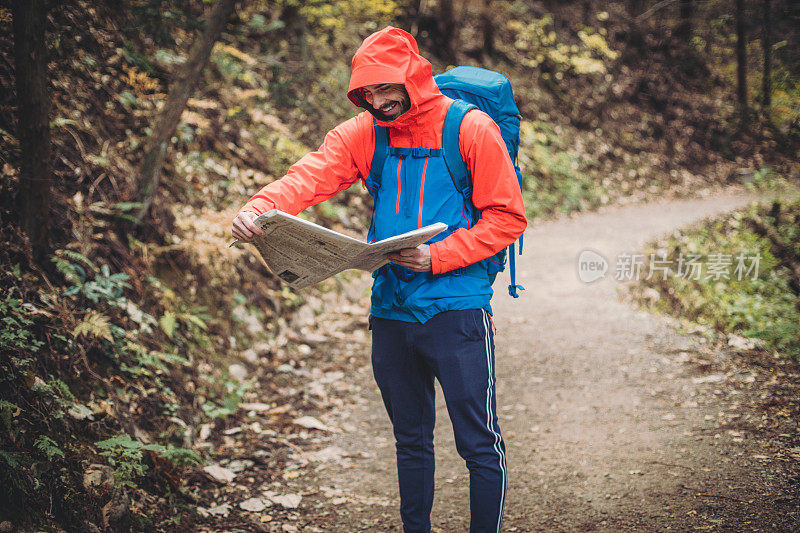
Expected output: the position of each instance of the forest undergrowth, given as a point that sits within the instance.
(736, 275)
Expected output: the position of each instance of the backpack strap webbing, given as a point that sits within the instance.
(459, 172)
(513, 288)
(381, 151)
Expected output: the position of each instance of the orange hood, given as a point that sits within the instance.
(391, 55)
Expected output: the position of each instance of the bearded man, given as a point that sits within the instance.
(430, 310)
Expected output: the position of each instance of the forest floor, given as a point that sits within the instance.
(614, 418)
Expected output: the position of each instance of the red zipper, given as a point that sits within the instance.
(465, 216)
(422, 192)
(399, 165)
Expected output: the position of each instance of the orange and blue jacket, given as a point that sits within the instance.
(414, 188)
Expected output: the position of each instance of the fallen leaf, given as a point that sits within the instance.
(257, 406)
(279, 409)
(97, 475)
(220, 510)
(238, 465)
(219, 473)
(79, 411)
(285, 369)
(743, 343)
(255, 505)
(711, 378)
(330, 377)
(289, 501)
(311, 423)
(331, 453)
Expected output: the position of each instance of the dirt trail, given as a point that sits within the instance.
(613, 420)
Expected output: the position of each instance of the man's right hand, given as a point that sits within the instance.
(244, 227)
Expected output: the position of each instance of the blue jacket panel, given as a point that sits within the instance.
(415, 189)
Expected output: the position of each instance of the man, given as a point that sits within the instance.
(430, 312)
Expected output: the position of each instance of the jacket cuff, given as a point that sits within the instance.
(258, 208)
(438, 263)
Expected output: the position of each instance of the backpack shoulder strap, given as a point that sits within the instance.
(381, 150)
(452, 152)
(460, 173)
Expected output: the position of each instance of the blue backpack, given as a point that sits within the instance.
(491, 93)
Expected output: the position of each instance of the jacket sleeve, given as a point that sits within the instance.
(317, 176)
(495, 193)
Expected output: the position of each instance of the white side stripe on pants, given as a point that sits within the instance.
(489, 418)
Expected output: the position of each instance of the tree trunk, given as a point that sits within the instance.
(634, 8)
(418, 15)
(551, 7)
(447, 30)
(302, 39)
(709, 36)
(33, 124)
(488, 28)
(741, 61)
(766, 42)
(686, 12)
(586, 16)
(180, 90)
(296, 23)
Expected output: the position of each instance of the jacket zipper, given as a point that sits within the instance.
(399, 184)
(464, 216)
(422, 192)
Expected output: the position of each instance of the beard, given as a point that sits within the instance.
(404, 105)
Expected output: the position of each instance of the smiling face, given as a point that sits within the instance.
(388, 100)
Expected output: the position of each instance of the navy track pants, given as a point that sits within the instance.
(457, 348)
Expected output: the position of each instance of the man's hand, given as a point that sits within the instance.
(417, 259)
(244, 228)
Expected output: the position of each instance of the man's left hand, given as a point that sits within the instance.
(417, 259)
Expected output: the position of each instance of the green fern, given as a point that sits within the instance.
(11, 459)
(78, 257)
(68, 263)
(72, 273)
(15, 332)
(125, 455)
(48, 446)
(181, 457)
(168, 323)
(8, 411)
(173, 358)
(94, 325)
(61, 388)
(198, 319)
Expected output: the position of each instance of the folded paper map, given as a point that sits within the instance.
(302, 253)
